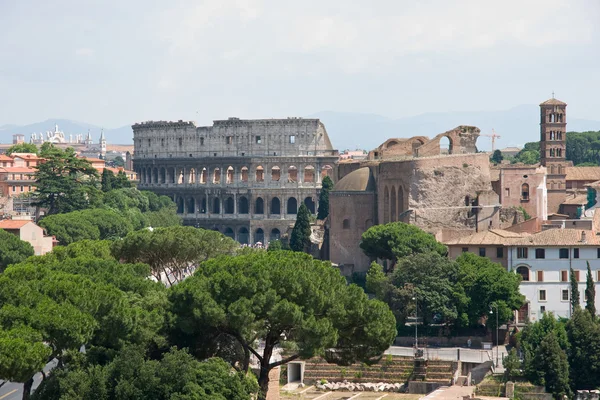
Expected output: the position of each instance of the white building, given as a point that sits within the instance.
(543, 260)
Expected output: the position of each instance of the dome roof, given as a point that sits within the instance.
(361, 180)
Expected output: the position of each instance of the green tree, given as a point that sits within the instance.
(12, 249)
(590, 292)
(275, 245)
(64, 182)
(22, 148)
(326, 187)
(285, 299)
(584, 352)
(121, 180)
(300, 240)
(397, 239)
(131, 375)
(119, 162)
(530, 339)
(554, 366)
(162, 218)
(512, 365)
(497, 157)
(169, 251)
(107, 181)
(574, 291)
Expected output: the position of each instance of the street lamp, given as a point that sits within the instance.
(491, 312)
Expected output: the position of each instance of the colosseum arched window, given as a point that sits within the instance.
(179, 176)
(163, 175)
(216, 206)
(260, 174)
(191, 206)
(217, 176)
(203, 206)
(310, 204)
(180, 205)
(275, 234)
(155, 176)
(292, 206)
(275, 206)
(203, 175)
(192, 176)
(292, 174)
(259, 236)
(259, 206)
(327, 170)
(171, 175)
(275, 173)
(244, 174)
(229, 206)
(309, 174)
(230, 175)
(243, 235)
(244, 205)
(229, 233)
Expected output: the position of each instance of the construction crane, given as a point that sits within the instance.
(493, 136)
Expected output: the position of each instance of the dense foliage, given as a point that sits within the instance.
(583, 148)
(284, 298)
(300, 239)
(326, 187)
(396, 240)
(12, 249)
(22, 148)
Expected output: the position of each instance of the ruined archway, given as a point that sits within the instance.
(275, 206)
(310, 204)
(216, 206)
(275, 234)
(243, 205)
(244, 174)
(259, 236)
(275, 173)
(292, 206)
(191, 208)
(180, 205)
(229, 233)
(445, 145)
(386, 205)
(229, 206)
(259, 206)
(393, 205)
(243, 235)
(260, 174)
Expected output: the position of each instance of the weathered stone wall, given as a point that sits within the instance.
(510, 187)
(463, 140)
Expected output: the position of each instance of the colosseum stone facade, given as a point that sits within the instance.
(244, 178)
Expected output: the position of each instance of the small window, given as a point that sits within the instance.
(540, 276)
(525, 192)
(575, 253)
(201, 141)
(180, 141)
(465, 249)
(576, 275)
(598, 252)
(540, 253)
(507, 192)
(190, 156)
(215, 154)
(162, 142)
(22, 187)
(482, 251)
(598, 276)
(229, 139)
(258, 140)
(522, 252)
(564, 276)
(14, 188)
(292, 139)
(346, 224)
(542, 309)
(565, 295)
(542, 295)
(499, 252)
(563, 253)
(524, 272)
(149, 142)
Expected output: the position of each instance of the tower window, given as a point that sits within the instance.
(525, 192)
(229, 139)
(181, 141)
(201, 141)
(258, 140)
(292, 139)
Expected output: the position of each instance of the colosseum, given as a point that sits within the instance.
(244, 178)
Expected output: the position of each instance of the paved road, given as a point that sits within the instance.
(14, 391)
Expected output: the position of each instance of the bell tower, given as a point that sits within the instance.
(553, 137)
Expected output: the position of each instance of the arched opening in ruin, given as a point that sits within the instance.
(386, 205)
(292, 206)
(244, 205)
(179, 176)
(415, 146)
(192, 176)
(259, 236)
(217, 176)
(229, 233)
(203, 176)
(390, 144)
(171, 173)
(524, 191)
(216, 206)
(180, 205)
(260, 174)
(229, 206)
(524, 272)
(230, 175)
(203, 206)
(149, 175)
(401, 208)
(292, 174)
(309, 174)
(259, 206)
(244, 174)
(275, 173)
(191, 209)
(346, 224)
(445, 145)
(275, 206)
(327, 170)
(393, 205)
(310, 204)
(163, 175)
(243, 235)
(275, 234)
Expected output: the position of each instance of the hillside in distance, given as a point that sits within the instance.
(516, 126)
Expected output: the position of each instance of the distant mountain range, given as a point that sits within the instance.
(516, 126)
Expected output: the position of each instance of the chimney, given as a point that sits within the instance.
(583, 238)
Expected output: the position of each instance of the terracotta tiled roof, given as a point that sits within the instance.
(13, 224)
(491, 237)
(561, 237)
(19, 170)
(4, 157)
(581, 199)
(583, 173)
(26, 156)
(553, 102)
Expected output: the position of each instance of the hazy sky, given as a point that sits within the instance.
(115, 62)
